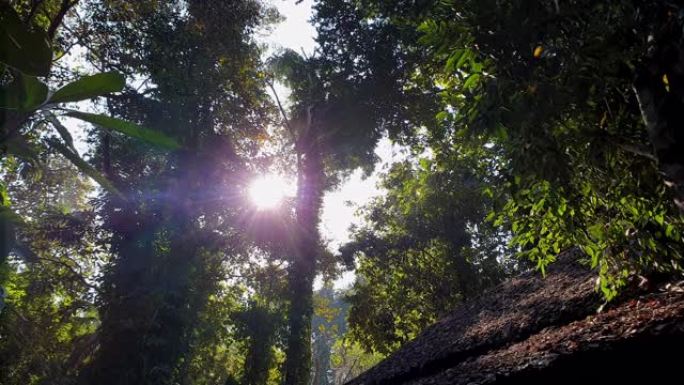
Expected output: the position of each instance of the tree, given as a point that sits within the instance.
(333, 126)
(46, 327)
(328, 325)
(544, 91)
(26, 104)
(425, 248)
(178, 225)
(566, 98)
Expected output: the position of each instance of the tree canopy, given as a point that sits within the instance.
(131, 134)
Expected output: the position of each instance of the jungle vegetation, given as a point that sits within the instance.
(131, 133)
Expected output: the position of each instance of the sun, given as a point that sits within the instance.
(268, 191)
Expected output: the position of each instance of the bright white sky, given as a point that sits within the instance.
(295, 32)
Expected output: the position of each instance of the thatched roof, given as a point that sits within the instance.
(532, 328)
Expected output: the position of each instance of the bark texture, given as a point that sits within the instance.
(302, 270)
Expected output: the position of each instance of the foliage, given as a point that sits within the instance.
(25, 102)
(47, 327)
(178, 232)
(530, 127)
(350, 359)
(217, 353)
(336, 357)
(544, 92)
(24, 49)
(563, 113)
(425, 248)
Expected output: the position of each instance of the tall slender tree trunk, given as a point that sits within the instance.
(148, 304)
(261, 334)
(302, 270)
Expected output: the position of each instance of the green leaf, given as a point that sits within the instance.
(84, 167)
(89, 87)
(454, 58)
(471, 82)
(501, 132)
(24, 93)
(22, 48)
(131, 129)
(596, 231)
(424, 164)
(660, 219)
(562, 206)
(466, 56)
(488, 192)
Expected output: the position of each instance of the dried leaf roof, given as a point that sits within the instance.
(525, 325)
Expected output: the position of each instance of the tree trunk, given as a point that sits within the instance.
(302, 270)
(261, 332)
(149, 305)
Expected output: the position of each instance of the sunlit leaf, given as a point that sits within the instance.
(471, 82)
(538, 51)
(596, 231)
(133, 130)
(4, 196)
(89, 87)
(666, 82)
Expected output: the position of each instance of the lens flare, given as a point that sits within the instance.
(268, 191)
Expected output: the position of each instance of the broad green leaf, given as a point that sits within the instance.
(501, 132)
(466, 56)
(471, 82)
(22, 48)
(596, 231)
(89, 87)
(24, 93)
(84, 167)
(660, 219)
(454, 58)
(562, 206)
(131, 129)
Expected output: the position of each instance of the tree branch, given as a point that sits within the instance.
(282, 111)
(57, 21)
